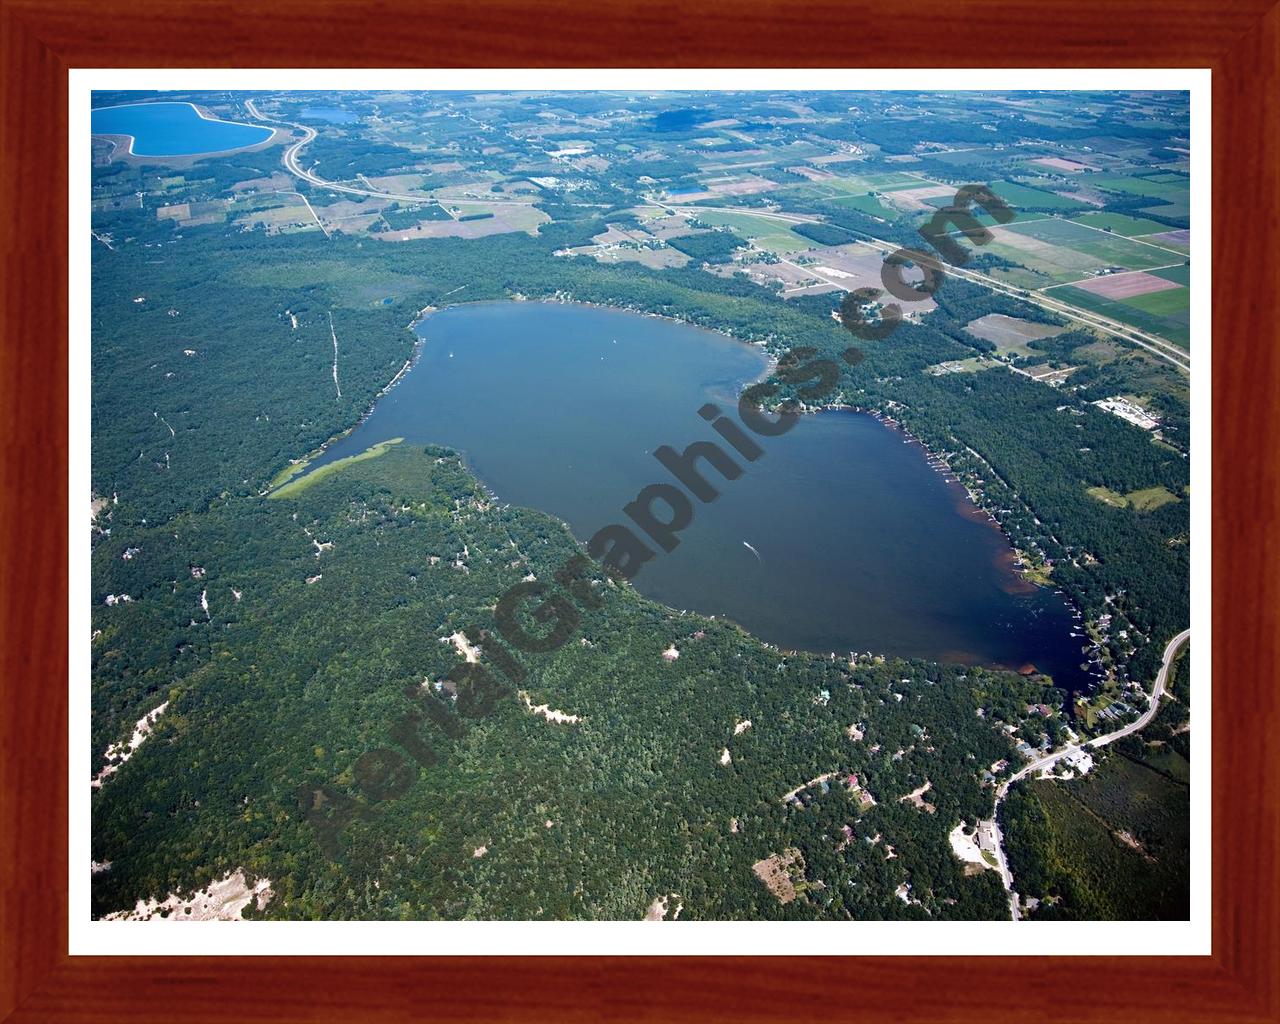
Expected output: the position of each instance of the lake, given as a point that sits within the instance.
(174, 129)
(859, 544)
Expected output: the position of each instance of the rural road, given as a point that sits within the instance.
(1157, 691)
(292, 165)
(1157, 346)
(297, 170)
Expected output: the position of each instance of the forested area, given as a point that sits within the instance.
(1113, 845)
(709, 247)
(1043, 454)
(1110, 846)
(283, 661)
(282, 688)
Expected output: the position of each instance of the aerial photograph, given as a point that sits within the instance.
(585, 505)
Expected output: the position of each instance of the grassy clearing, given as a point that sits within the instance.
(959, 366)
(354, 284)
(296, 487)
(869, 205)
(1168, 761)
(1107, 496)
(1145, 500)
(1150, 498)
(287, 474)
(768, 234)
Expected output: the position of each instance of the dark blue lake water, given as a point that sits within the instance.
(174, 129)
(861, 545)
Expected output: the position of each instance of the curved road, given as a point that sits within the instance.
(292, 165)
(1143, 720)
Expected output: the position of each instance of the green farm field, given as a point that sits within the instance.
(1107, 248)
(1180, 274)
(1121, 224)
(1020, 197)
(1170, 319)
(1171, 191)
(767, 234)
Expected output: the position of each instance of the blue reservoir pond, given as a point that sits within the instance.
(174, 129)
(859, 544)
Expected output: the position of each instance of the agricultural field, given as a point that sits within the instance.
(1168, 192)
(869, 205)
(890, 181)
(1051, 251)
(766, 233)
(1107, 248)
(1120, 224)
(1020, 197)
(1166, 313)
(1178, 239)
(1170, 187)
(475, 220)
(844, 192)
(634, 245)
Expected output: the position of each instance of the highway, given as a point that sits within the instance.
(294, 167)
(1049, 760)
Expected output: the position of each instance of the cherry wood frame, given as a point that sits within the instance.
(41, 39)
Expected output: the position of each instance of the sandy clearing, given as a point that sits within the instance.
(463, 646)
(805, 785)
(547, 712)
(724, 756)
(965, 848)
(741, 727)
(223, 900)
(118, 753)
(916, 797)
(333, 332)
(775, 871)
(1132, 842)
(658, 908)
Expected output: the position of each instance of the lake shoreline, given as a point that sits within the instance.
(180, 159)
(1008, 574)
